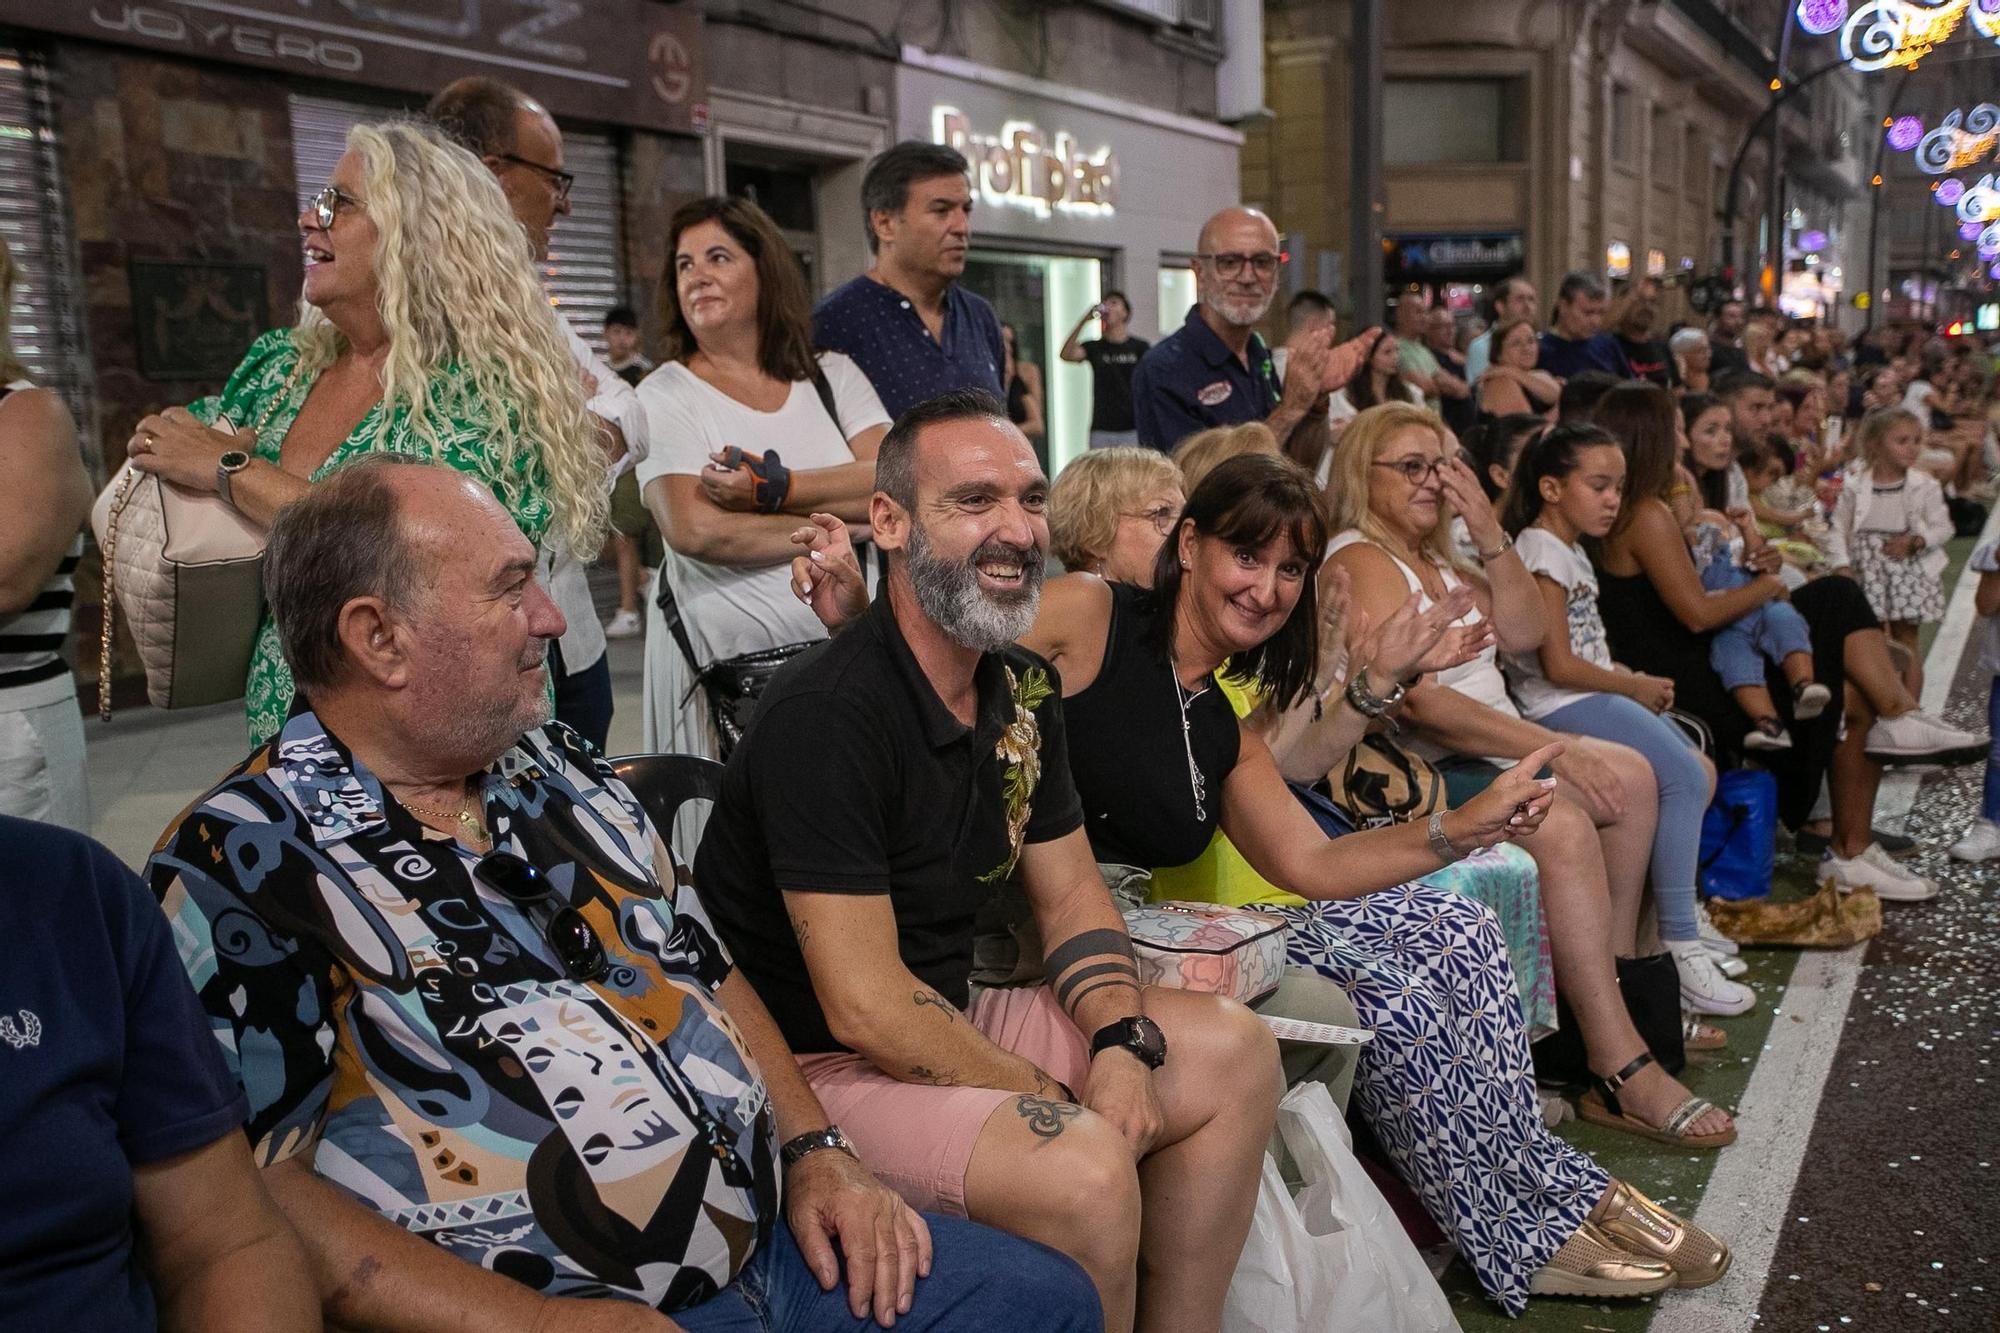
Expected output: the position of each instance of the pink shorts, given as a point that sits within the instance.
(918, 1138)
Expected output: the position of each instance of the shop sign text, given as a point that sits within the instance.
(1024, 168)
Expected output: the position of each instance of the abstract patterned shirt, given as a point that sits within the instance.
(411, 1029)
(263, 393)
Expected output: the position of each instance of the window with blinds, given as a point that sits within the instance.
(47, 324)
(585, 274)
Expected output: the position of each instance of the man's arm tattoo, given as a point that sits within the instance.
(803, 929)
(1088, 944)
(1130, 983)
(1046, 1119)
(1120, 972)
(936, 1001)
(925, 1074)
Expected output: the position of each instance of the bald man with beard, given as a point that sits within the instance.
(1216, 370)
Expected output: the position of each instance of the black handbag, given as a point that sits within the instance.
(1652, 990)
(732, 685)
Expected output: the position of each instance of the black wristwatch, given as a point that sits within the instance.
(830, 1137)
(1140, 1035)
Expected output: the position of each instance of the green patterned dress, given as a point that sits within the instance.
(263, 384)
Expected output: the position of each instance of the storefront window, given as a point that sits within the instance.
(1177, 293)
(1042, 296)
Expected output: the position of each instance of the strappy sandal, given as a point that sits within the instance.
(1702, 1038)
(1599, 1106)
(1643, 1228)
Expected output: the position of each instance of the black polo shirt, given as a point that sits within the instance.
(1191, 381)
(857, 779)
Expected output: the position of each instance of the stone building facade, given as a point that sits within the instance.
(1546, 136)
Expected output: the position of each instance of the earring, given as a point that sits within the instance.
(1185, 565)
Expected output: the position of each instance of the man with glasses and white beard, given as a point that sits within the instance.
(1216, 370)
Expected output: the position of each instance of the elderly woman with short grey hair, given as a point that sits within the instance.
(1692, 358)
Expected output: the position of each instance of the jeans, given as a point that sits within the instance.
(1683, 786)
(583, 698)
(982, 1281)
(1772, 632)
(1989, 806)
(1105, 439)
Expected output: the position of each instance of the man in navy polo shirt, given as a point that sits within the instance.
(1215, 370)
(906, 322)
(119, 1122)
(1570, 343)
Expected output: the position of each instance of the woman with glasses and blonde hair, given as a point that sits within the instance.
(48, 492)
(1397, 480)
(423, 329)
(1110, 509)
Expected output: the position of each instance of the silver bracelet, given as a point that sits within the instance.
(1441, 845)
(1506, 545)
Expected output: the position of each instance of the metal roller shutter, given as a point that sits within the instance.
(585, 274)
(47, 324)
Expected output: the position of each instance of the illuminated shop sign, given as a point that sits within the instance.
(1617, 260)
(1022, 167)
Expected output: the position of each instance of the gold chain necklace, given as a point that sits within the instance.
(468, 823)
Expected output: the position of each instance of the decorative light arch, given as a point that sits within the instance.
(1895, 34)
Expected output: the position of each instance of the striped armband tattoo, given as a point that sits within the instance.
(1090, 962)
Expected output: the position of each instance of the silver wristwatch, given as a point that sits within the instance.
(1440, 844)
(232, 462)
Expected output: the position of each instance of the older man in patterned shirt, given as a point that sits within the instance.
(498, 1068)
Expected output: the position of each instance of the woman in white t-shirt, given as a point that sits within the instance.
(751, 432)
(1567, 485)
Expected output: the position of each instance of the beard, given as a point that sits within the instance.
(1241, 311)
(948, 593)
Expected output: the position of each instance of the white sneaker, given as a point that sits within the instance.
(1711, 939)
(1875, 869)
(1704, 990)
(1980, 843)
(1731, 967)
(624, 625)
(1810, 700)
(1916, 738)
(1768, 742)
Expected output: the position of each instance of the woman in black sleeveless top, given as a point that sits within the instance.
(1161, 761)
(1656, 611)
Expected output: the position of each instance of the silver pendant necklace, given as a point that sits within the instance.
(1196, 782)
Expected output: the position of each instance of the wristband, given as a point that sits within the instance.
(1365, 701)
(1440, 844)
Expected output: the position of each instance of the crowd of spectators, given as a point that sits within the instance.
(425, 1016)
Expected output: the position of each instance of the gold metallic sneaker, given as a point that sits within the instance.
(1635, 1223)
(1589, 1264)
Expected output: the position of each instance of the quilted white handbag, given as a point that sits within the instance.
(186, 568)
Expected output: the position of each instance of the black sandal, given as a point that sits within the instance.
(1600, 1106)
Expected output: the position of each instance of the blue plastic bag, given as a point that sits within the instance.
(1739, 835)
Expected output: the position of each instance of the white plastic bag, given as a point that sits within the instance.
(1335, 1258)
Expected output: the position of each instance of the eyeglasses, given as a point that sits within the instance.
(1162, 517)
(562, 180)
(1416, 470)
(575, 944)
(1231, 264)
(326, 206)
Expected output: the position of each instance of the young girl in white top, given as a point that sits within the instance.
(1567, 485)
(1890, 525)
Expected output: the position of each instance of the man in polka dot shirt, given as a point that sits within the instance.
(913, 330)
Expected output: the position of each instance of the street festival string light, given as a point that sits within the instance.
(1895, 34)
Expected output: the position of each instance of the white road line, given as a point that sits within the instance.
(1749, 1194)
(1899, 789)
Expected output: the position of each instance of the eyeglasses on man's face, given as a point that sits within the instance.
(1229, 264)
(1415, 469)
(562, 180)
(326, 206)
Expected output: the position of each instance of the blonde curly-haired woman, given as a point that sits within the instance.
(422, 329)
